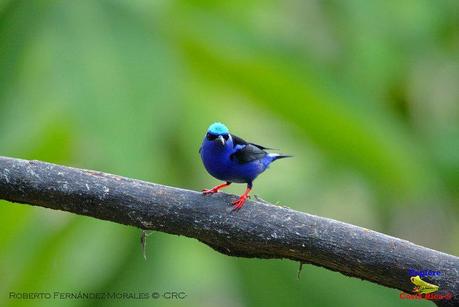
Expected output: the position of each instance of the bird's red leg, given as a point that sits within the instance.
(237, 204)
(215, 189)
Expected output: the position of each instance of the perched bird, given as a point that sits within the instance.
(231, 159)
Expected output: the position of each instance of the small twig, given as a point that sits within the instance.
(143, 242)
(299, 270)
(258, 198)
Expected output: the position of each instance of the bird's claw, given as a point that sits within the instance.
(215, 189)
(237, 204)
(209, 191)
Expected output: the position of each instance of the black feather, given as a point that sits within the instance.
(249, 153)
(239, 141)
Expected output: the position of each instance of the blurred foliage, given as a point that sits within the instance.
(363, 93)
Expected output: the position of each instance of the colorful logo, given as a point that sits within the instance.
(424, 290)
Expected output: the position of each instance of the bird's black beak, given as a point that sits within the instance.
(220, 140)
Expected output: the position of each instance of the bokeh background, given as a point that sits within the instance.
(364, 94)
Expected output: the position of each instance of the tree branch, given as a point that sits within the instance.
(259, 230)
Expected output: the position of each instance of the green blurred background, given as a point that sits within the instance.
(364, 94)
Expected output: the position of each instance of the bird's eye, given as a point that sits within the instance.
(211, 136)
(226, 137)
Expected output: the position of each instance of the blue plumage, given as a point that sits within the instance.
(231, 159)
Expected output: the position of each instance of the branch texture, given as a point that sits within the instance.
(258, 230)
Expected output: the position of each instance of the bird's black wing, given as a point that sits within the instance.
(239, 141)
(249, 152)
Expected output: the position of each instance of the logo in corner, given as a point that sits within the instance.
(424, 290)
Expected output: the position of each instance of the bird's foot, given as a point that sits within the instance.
(237, 204)
(209, 191)
(215, 189)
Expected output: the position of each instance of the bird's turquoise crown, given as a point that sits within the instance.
(218, 128)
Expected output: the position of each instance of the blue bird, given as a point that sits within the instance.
(231, 159)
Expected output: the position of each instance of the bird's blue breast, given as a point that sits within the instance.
(218, 162)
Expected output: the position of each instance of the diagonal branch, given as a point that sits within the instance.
(259, 230)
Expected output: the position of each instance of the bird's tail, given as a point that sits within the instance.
(276, 156)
